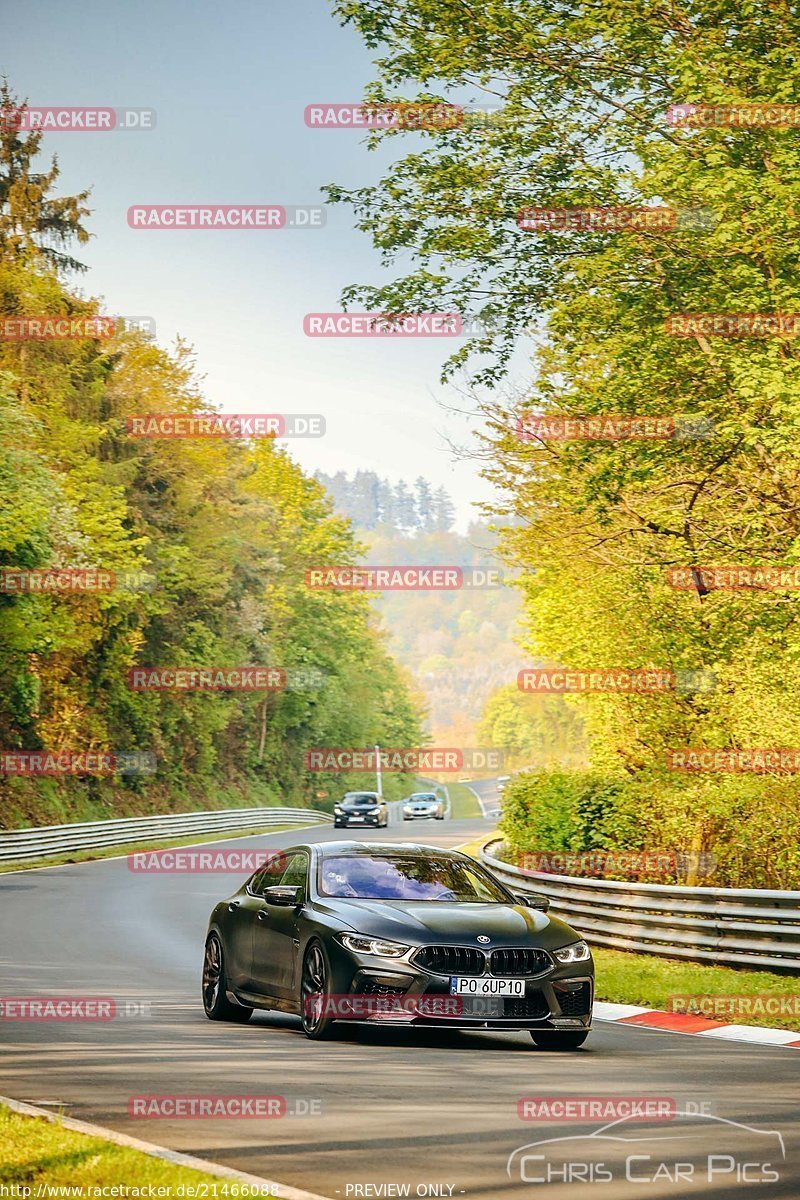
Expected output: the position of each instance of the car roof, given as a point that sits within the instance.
(415, 849)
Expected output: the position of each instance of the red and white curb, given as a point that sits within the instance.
(651, 1018)
(280, 1190)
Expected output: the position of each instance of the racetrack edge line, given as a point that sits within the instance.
(175, 1157)
(662, 1022)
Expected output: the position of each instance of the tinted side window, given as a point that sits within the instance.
(296, 873)
(269, 874)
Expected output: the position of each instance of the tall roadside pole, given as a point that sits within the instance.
(378, 769)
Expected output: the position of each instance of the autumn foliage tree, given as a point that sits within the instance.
(223, 529)
(584, 118)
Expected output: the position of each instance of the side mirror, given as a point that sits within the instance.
(285, 897)
(534, 900)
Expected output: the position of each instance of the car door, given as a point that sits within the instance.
(275, 942)
(240, 925)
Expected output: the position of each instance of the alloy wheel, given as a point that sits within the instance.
(313, 989)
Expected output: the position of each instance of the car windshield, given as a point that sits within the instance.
(356, 799)
(423, 796)
(406, 877)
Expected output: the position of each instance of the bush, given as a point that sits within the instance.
(739, 831)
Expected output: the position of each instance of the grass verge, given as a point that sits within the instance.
(650, 980)
(37, 1151)
(463, 804)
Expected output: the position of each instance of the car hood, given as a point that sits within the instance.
(422, 922)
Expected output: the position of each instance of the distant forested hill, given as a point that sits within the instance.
(459, 646)
(407, 508)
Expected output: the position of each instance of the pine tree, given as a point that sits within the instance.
(443, 511)
(386, 506)
(424, 504)
(363, 499)
(337, 488)
(405, 508)
(33, 224)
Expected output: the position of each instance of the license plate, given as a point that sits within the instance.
(461, 985)
(355, 818)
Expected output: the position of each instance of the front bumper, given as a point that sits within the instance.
(369, 819)
(381, 992)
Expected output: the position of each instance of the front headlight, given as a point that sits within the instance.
(363, 944)
(377, 808)
(577, 952)
(337, 808)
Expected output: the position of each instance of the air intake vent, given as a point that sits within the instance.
(524, 961)
(451, 960)
(372, 987)
(574, 1001)
(525, 1008)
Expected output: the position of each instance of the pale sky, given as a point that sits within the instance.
(229, 85)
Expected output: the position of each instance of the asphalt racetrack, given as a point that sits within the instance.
(376, 1110)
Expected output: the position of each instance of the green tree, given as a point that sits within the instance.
(34, 223)
(594, 525)
(225, 529)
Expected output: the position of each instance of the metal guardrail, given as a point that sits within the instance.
(750, 927)
(18, 845)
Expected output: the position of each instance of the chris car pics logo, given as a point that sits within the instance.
(693, 1154)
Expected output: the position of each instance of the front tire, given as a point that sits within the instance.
(558, 1040)
(216, 1004)
(315, 994)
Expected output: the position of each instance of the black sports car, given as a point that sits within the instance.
(361, 808)
(395, 933)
